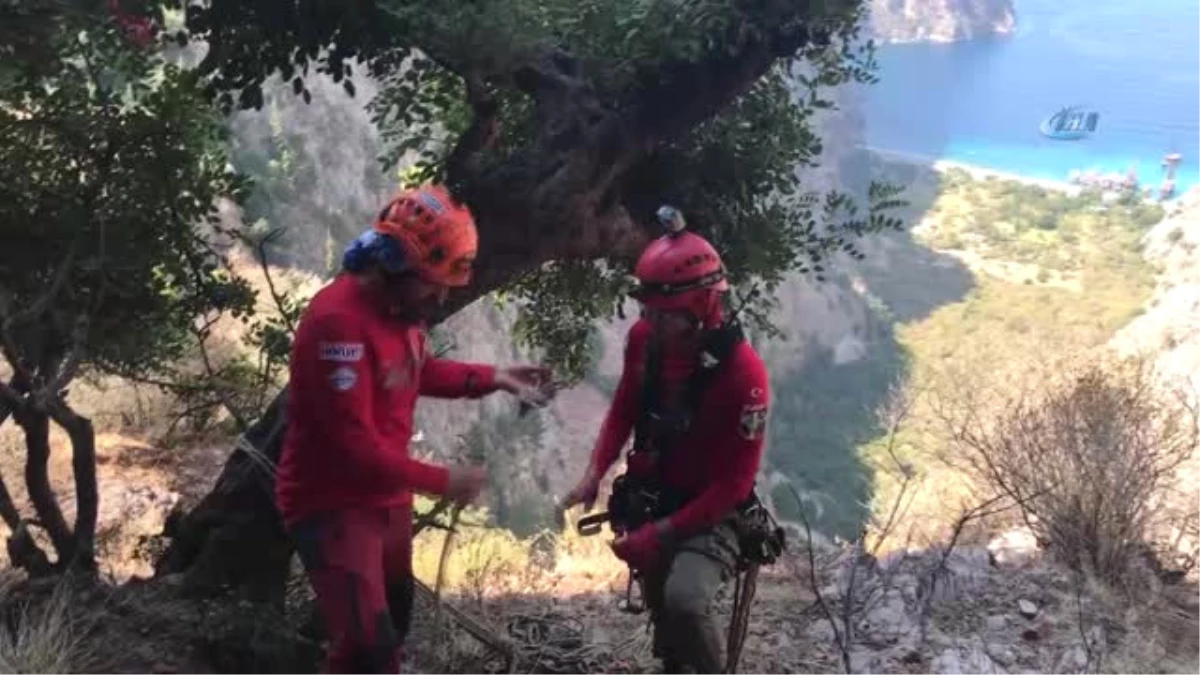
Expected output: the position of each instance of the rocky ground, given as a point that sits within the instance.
(1006, 609)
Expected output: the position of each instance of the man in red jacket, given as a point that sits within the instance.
(695, 394)
(360, 359)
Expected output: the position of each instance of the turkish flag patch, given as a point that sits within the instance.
(753, 421)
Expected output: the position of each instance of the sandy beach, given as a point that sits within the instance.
(976, 172)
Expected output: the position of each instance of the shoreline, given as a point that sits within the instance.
(975, 171)
(980, 173)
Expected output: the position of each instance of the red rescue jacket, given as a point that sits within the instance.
(716, 461)
(355, 377)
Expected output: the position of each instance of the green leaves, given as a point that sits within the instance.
(416, 110)
(110, 153)
(559, 306)
(735, 174)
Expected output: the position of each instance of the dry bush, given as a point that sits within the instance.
(860, 585)
(1088, 450)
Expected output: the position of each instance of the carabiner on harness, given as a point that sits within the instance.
(627, 605)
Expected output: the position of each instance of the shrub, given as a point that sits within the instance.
(1088, 453)
(44, 637)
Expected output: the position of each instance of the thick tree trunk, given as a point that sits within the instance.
(36, 426)
(8, 510)
(87, 498)
(23, 551)
(234, 537)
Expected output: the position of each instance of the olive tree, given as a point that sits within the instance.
(563, 124)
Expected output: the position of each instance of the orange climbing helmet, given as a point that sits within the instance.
(679, 270)
(437, 233)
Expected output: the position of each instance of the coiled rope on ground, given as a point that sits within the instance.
(551, 642)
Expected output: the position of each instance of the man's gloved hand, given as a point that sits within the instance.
(584, 492)
(642, 547)
(531, 384)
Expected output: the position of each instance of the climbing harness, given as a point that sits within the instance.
(628, 605)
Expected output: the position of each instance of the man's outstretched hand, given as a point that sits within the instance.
(585, 492)
(465, 484)
(531, 384)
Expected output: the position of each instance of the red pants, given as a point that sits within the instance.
(359, 562)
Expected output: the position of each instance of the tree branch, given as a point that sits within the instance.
(36, 426)
(815, 584)
(201, 335)
(10, 400)
(83, 467)
(563, 186)
(260, 251)
(463, 162)
(9, 348)
(39, 306)
(678, 95)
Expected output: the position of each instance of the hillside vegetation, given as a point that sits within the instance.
(1053, 276)
(996, 279)
(1052, 271)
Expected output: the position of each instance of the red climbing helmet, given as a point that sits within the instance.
(679, 270)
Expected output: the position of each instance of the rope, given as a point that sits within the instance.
(543, 643)
(739, 622)
(442, 561)
(483, 634)
(256, 455)
(552, 642)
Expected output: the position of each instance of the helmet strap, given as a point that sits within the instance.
(709, 279)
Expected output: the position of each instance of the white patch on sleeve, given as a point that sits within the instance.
(341, 352)
(343, 378)
(753, 421)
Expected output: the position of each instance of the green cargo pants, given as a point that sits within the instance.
(687, 634)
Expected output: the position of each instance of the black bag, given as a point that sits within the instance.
(760, 538)
(633, 503)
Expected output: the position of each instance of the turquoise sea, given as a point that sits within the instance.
(1135, 62)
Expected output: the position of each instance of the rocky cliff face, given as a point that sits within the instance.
(1168, 334)
(940, 20)
(1169, 329)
